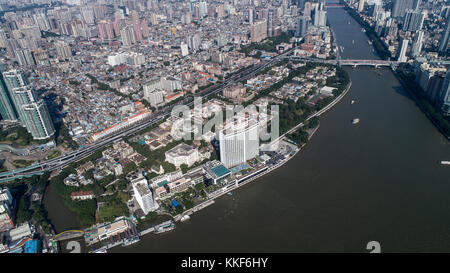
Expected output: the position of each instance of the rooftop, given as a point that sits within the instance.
(220, 170)
(181, 149)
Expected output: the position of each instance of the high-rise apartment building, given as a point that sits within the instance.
(144, 195)
(445, 36)
(128, 36)
(184, 49)
(7, 110)
(417, 44)
(24, 57)
(136, 25)
(401, 6)
(270, 18)
(63, 50)
(194, 42)
(32, 112)
(413, 20)
(220, 10)
(250, 16)
(258, 31)
(403, 47)
(106, 30)
(320, 16)
(155, 97)
(88, 15)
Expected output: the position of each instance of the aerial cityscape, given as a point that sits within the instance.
(183, 126)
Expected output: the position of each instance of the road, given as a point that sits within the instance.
(66, 159)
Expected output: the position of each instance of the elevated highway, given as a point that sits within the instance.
(66, 159)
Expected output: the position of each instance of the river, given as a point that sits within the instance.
(379, 180)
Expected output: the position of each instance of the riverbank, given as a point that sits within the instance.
(377, 43)
(265, 172)
(424, 106)
(246, 180)
(427, 108)
(367, 174)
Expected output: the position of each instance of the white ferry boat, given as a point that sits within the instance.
(444, 162)
(164, 227)
(355, 120)
(185, 218)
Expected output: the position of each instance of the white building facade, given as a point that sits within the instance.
(144, 195)
(182, 154)
(239, 142)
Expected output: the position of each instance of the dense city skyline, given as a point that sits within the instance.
(122, 106)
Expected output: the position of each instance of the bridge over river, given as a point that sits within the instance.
(348, 62)
(68, 234)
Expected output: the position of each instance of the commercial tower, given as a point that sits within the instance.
(300, 30)
(239, 141)
(31, 111)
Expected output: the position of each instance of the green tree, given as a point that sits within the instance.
(184, 168)
(313, 122)
(130, 167)
(179, 209)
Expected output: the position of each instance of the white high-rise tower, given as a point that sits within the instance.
(239, 141)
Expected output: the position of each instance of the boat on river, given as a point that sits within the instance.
(164, 227)
(355, 120)
(185, 218)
